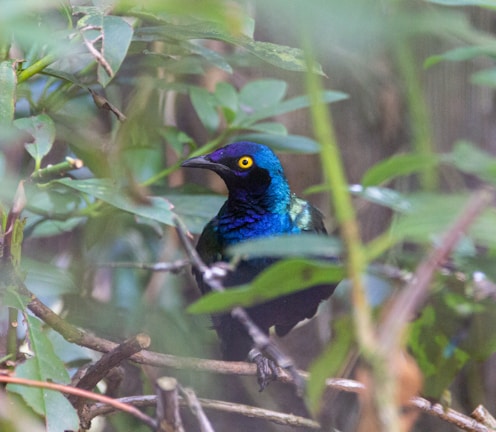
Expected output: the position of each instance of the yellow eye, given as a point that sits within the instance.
(245, 162)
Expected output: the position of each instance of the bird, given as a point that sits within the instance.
(259, 204)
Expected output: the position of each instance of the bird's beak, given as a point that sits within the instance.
(198, 162)
(205, 163)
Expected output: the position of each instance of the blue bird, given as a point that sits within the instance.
(259, 204)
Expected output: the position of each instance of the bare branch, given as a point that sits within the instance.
(194, 405)
(168, 416)
(173, 267)
(91, 48)
(96, 372)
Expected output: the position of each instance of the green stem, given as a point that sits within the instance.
(36, 67)
(12, 334)
(345, 213)
(419, 116)
(56, 170)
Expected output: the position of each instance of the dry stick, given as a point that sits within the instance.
(96, 372)
(194, 405)
(412, 297)
(115, 403)
(260, 340)
(482, 415)
(215, 405)
(91, 48)
(168, 416)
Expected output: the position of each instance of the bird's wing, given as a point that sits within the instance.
(305, 216)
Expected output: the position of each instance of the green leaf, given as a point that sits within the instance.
(205, 106)
(289, 105)
(310, 245)
(485, 77)
(8, 82)
(396, 166)
(42, 129)
(117, 35)
(328, 363)
(469, 159)
(382, 196)
(261, 94)
(462, 54)
(289, 143)
(196, 210)
(272, 283)
(44, 365)
(227, 98)
(278, 55)
(209, 55)
(430, 346)
(269, 128)
(106, 190)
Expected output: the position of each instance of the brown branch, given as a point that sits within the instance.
(168, 417)
(96, 372)
(195, 407)
(482, 415)
(114, 403)
(460, 420)
(97, 54)
(215, 405)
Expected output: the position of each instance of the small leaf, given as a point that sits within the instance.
(269, 128)
(106, 190)
(382, 196)
(289, 143)
(44, 365)
(272, 283)
(8, 82)
(227, 97)
(309, 245)
(205, 106)
(42, 129)
(261, 94)
(462, 54)
(289, 105)
(396, 166)
(485, 77)
(469, 159)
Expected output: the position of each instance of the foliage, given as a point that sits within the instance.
(119, 87)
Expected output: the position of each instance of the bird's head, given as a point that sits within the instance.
(250, 171)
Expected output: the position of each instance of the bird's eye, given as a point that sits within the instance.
(245, 162)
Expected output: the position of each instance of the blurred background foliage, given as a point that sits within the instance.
(133, 88)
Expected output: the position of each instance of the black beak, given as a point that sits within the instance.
(205, 163)
(198, 162)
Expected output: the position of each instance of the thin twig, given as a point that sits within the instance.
(215, 405)
(173, 266)
(91, 48)
(195, 407)
(212, 276)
